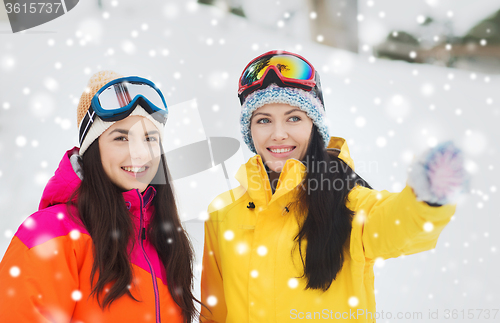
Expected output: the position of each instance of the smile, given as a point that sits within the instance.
(281, 151)
(135, 169)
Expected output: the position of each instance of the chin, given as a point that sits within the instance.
(142, 188)
(139, 186)
(275, 165)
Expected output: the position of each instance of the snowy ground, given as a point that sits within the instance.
(388, 111)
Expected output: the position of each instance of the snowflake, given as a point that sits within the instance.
(211, 300)
(353, 301)
(229, 235)
(21, 141)
(262, 251)
(76, 295)
(14, 271)
(293, 283)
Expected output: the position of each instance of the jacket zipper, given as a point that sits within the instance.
(142, 237)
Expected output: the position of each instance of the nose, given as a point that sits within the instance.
(279, 132)
(139, 150)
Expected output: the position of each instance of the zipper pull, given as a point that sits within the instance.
(286, 209)
(143, 234)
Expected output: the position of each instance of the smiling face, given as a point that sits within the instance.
(280, 132)
(130, 152)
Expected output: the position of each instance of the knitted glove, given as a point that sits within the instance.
(438, 175)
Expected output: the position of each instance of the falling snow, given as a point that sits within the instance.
(388, 96)
(14, 271)
(74, 234)
(242, 248)
(76, 295)
(428, 226)
(262, 251)
(212, 300)
(353, 301)
(379, 262)
(293, 283)
(229, 235)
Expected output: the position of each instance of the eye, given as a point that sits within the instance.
(152, 139)
(294, 119)
(121, 138)
(263, 120)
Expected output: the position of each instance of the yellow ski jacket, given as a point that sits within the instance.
(251, 263)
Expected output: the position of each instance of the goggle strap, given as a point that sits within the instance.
(89, 119)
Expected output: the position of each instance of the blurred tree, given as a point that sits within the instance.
(487, 29)
(398, 45)
(232, 5)
(402, 37)
(335, 22)
(428, 20)
(331, 22)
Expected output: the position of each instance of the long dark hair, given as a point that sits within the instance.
(325, 220)
(103, 212)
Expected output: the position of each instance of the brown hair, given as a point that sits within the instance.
(104, 214)
(326, 224)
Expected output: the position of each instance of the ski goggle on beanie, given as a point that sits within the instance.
(281, 77)
(110, 97)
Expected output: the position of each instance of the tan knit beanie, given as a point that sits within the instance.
(96, 82)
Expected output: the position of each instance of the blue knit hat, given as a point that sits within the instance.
(305, 101)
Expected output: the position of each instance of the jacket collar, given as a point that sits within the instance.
(339, 144)
(134, 199)
(62, 185)
(254, 179)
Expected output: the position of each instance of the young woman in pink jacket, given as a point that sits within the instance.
(106, 244)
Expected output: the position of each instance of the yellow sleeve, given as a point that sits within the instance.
(212, 289)
(388, 224)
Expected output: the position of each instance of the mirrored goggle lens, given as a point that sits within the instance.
(119, 95)
(289, 66)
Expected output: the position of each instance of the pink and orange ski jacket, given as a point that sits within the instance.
(45, 272)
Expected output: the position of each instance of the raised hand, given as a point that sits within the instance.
(438, 176)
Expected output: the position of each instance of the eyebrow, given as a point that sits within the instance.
(266, 114)
(286, 113)
(127, 132)
(293, 110)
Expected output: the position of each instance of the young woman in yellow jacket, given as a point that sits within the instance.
(299, 237)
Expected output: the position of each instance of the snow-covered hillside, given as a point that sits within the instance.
(388, 111)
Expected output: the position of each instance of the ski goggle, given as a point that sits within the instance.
(117, 99)
(289, 68)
